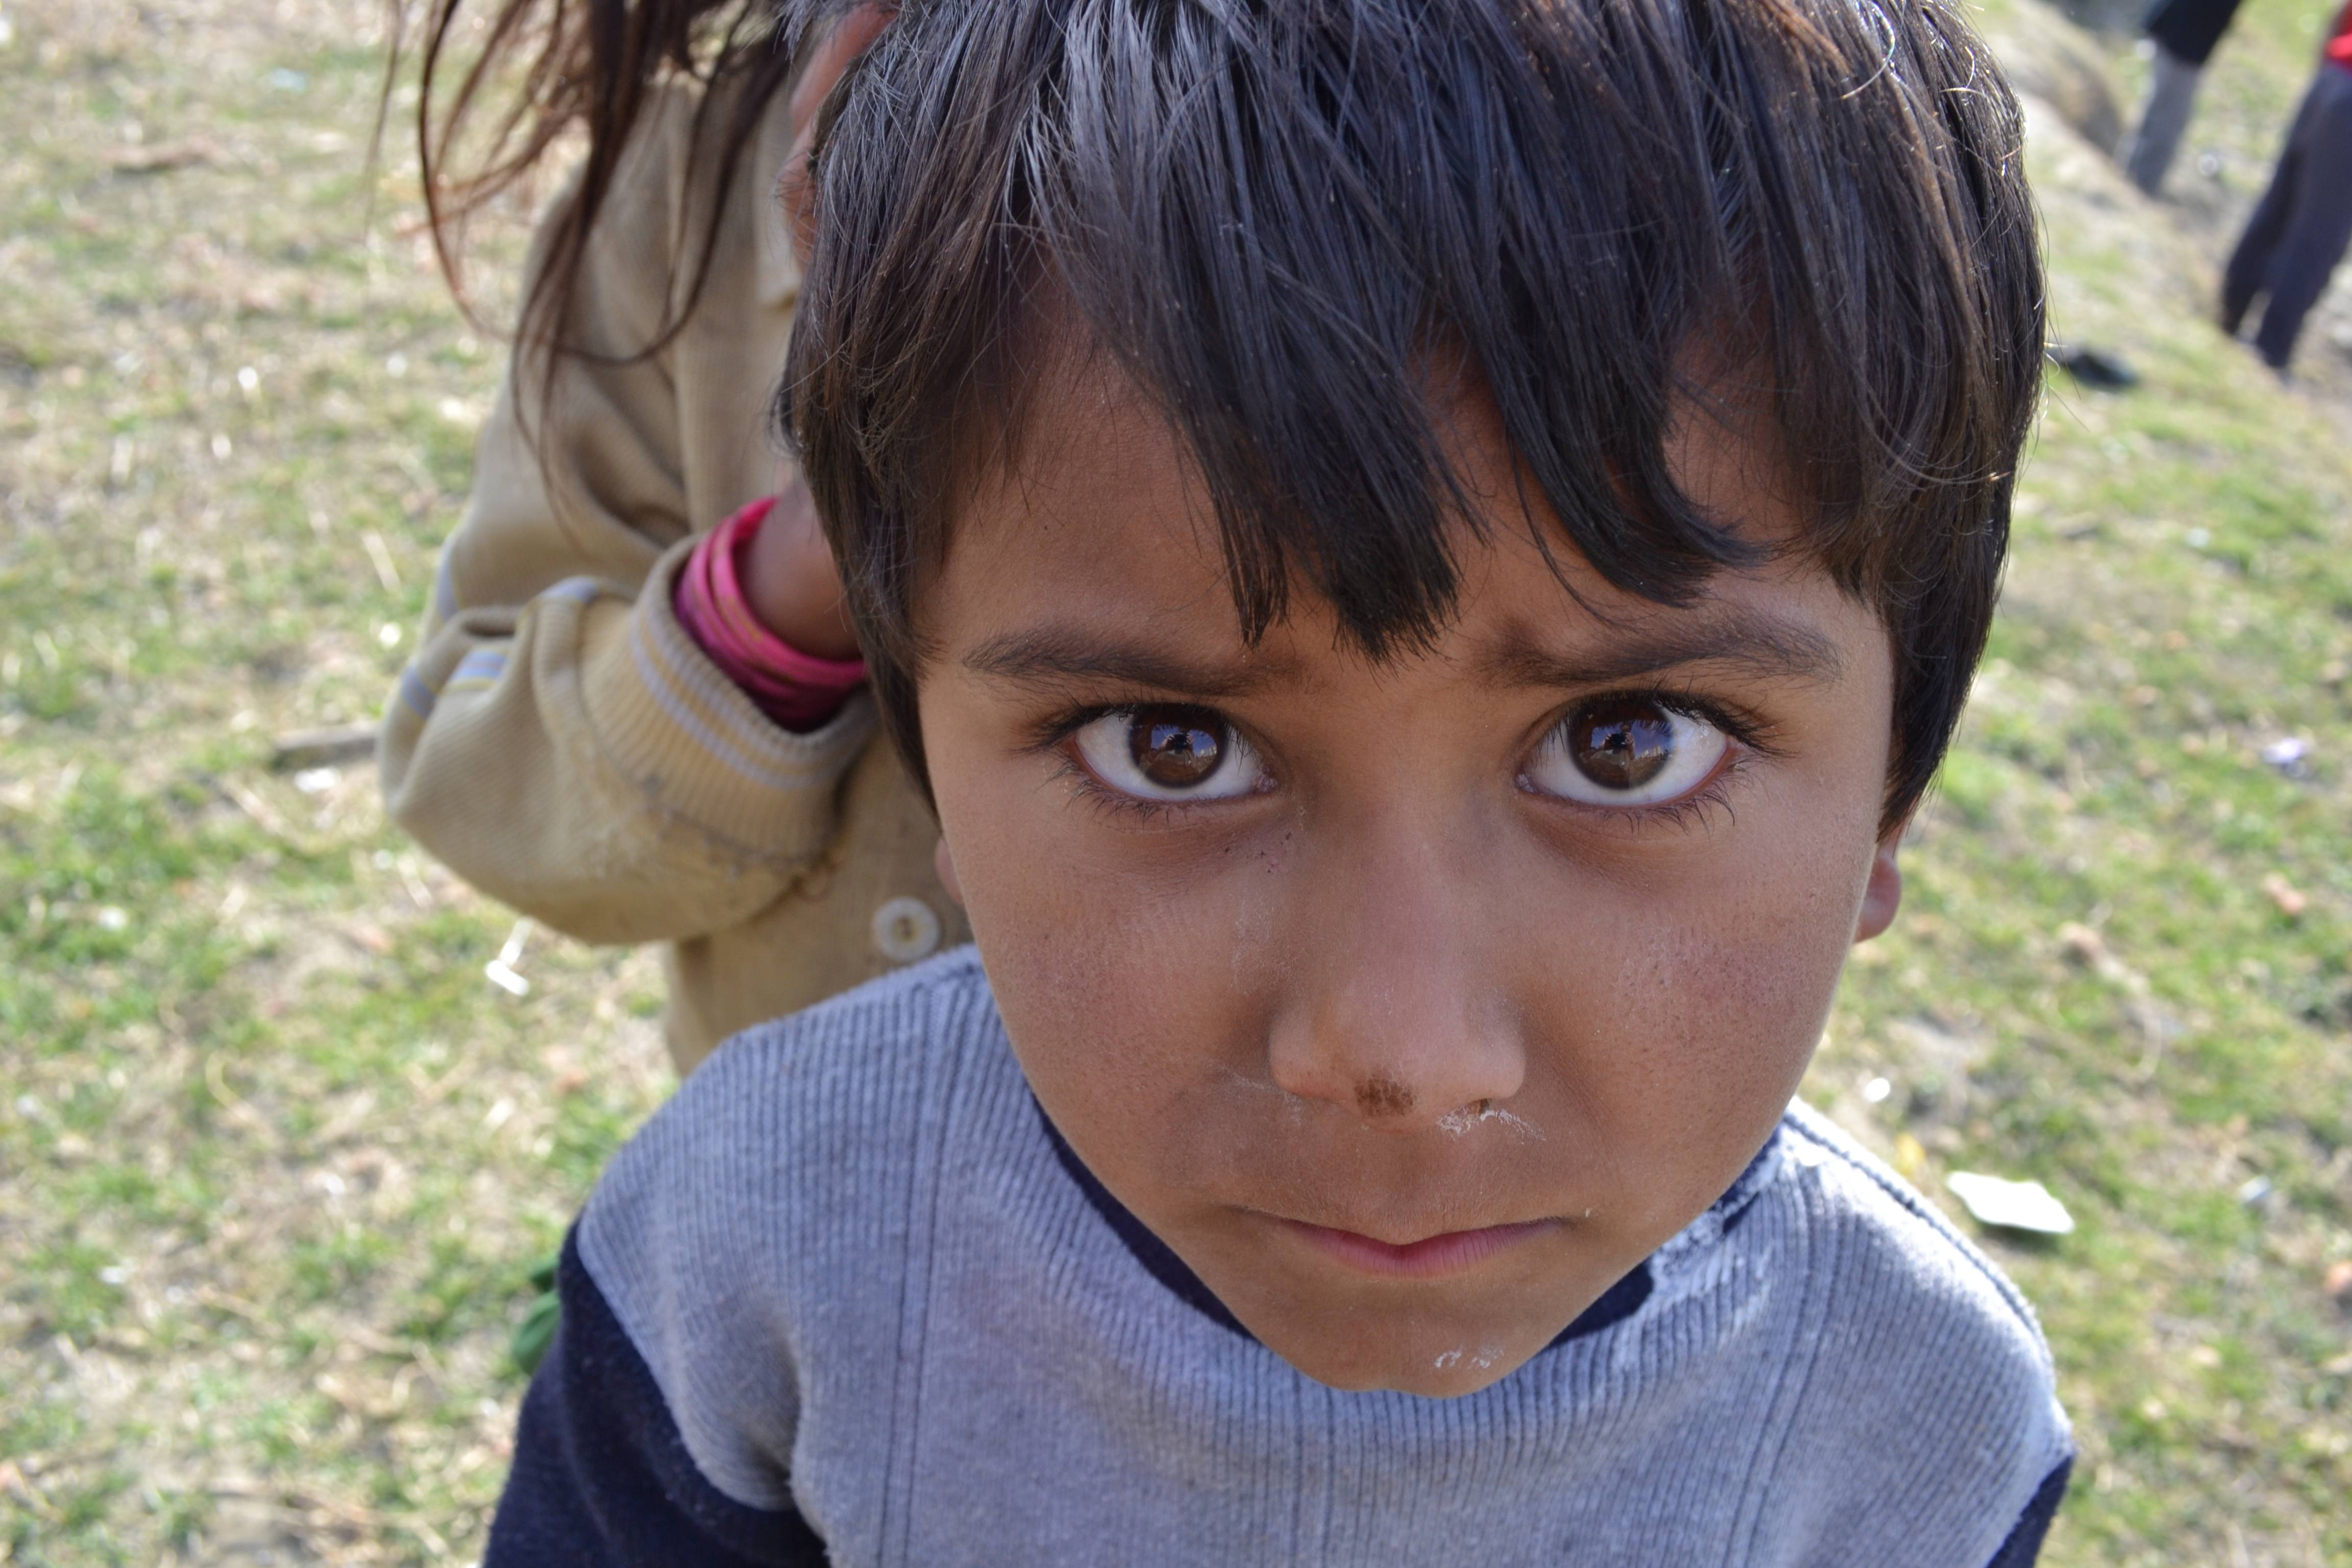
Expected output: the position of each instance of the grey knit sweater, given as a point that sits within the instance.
(848, 1294)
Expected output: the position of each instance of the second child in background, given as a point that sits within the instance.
(637, 714)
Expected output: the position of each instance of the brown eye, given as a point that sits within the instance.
(1168, 752)
(1627, 752)
(1622, 743)
(1175, 748)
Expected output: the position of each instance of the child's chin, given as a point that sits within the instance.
(1409, 1359)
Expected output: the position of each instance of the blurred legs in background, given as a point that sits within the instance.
(2300, 228)
(2171, 95)
(2182, 34)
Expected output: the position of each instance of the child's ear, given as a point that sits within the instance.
(945, 862)
(1880, 899)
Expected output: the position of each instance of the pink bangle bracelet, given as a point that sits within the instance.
(797, 689)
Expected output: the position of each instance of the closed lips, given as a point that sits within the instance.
(1432, 1258)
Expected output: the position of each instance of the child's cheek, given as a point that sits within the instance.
(1123, 984)
(1719, 1012)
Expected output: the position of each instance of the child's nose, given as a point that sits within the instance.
(1394, 1018)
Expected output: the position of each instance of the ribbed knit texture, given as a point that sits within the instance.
(867, 1288)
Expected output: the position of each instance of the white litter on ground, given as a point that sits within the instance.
(501, 970)
(2287, 755)
(2012, 1206)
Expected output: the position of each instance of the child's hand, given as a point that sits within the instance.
(792, 582)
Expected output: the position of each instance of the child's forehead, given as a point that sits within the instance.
(1098, 554)
(1099, 492)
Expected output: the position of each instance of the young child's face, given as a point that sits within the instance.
(1413, 1002)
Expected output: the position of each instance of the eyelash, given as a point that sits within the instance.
(1747, 731)
(1115, 803)
(1690, 811)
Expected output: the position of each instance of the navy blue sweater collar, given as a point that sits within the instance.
(1620, 1301)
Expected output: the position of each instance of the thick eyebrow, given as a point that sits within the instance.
(1057, 656)
(1745, 639)
(1761, 643)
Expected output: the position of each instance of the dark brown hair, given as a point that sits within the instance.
(542, 69)
(1272, 213)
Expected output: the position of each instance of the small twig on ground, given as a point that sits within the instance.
(15, 1484)
(239, 1109)
(414, 884)
(336, 744)
(235, 1305)
(345, 1120)
(382, 1344)
(430, 1090)
(265, 815)
(164, 157)
(293, 1500)
(380, 556)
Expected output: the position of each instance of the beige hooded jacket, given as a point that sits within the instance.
(558, 741)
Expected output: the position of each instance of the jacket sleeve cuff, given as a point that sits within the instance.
(694, 742)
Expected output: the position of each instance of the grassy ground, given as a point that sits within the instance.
(274, 1154)
(2122, 965)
